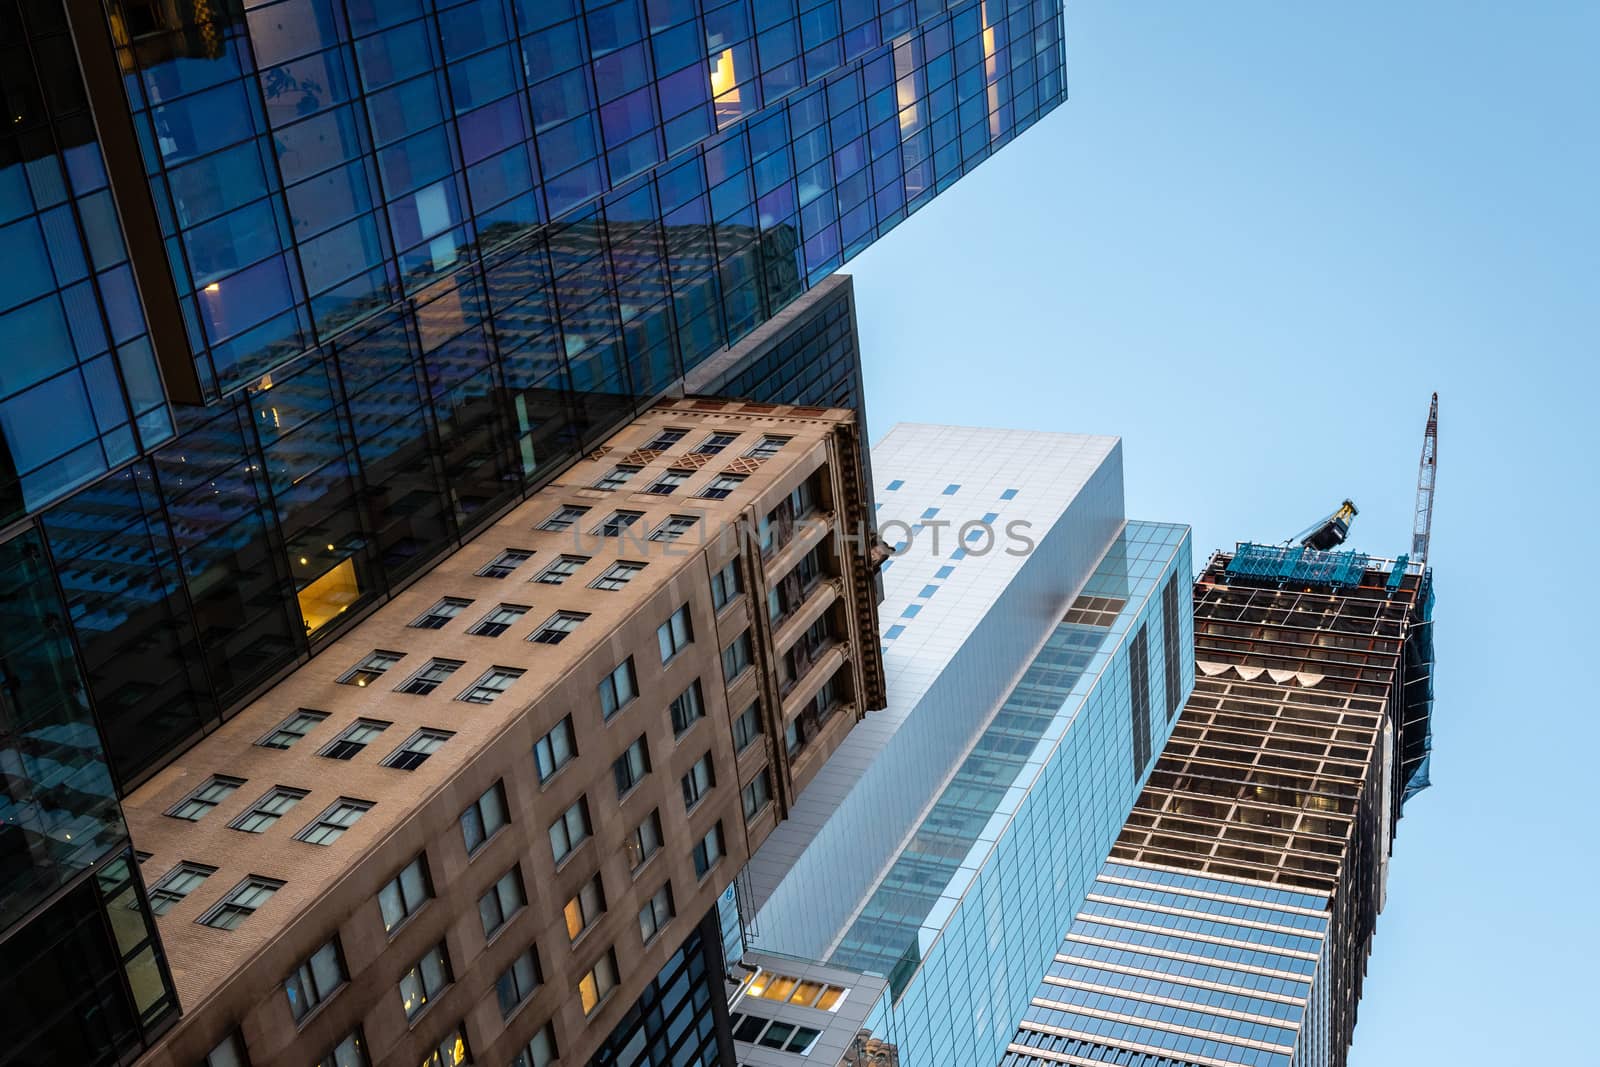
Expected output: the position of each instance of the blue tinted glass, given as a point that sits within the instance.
(222, 246)
(328, 199)
(219, 182)
(368, 15)
(489, 129)
(121, 303)
(405, 109)
(83, 319)
(553, 50)
(291, 28)
(36, 345)
(559, 99)
(394, 55)
(180, 75)
(621, 72)
(247, 354)
(310, 146)
(481, 79)
(537, 14)
(499, 178)
(633, 157)
(769, 12)
(472, 27)
(778, 45)
(426, 213)
(15, 200)
(140, 376)
(105, 393)
(47, 421)
(304, 87)
(564, 146)
(341, 252)
(28, 273)
(46, 181)
(614, 27)
(198, 124)
(664, 13)
(420, 160)
(726, 26)
(682, 93)
(626, 118)
(66, 248)
(245, 299)
(677, 48)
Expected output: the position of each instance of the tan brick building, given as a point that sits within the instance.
(478, 824)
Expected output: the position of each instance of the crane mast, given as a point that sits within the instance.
(1422, 526)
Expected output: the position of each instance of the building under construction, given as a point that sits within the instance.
(1233, 922)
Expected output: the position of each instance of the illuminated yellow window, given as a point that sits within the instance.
(324, 598)
(599, 982)
(582, 910)
(830, 997)
(905, 86)
(725, 88)
(805, 993)
(588, 993)
(451, 1052)
(780, 989)
(786, 989)
(574, 914)
(991, 73)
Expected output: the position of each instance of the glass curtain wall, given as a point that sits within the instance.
(314, 162)
(79, 389)
(58, 808)
(85, 981)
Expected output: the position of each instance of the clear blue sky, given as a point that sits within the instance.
(1251, 243)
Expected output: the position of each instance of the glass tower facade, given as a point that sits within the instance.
(82, 975)
(1180, 969)
(79, 388)
(1023, 826)
(682, 1016)
(314, 162)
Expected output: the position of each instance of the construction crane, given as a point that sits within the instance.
(1422, 525)
(1329, 532)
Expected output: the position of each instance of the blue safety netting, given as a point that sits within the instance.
(1298, 564)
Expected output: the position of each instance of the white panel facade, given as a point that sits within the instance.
(959, 625)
